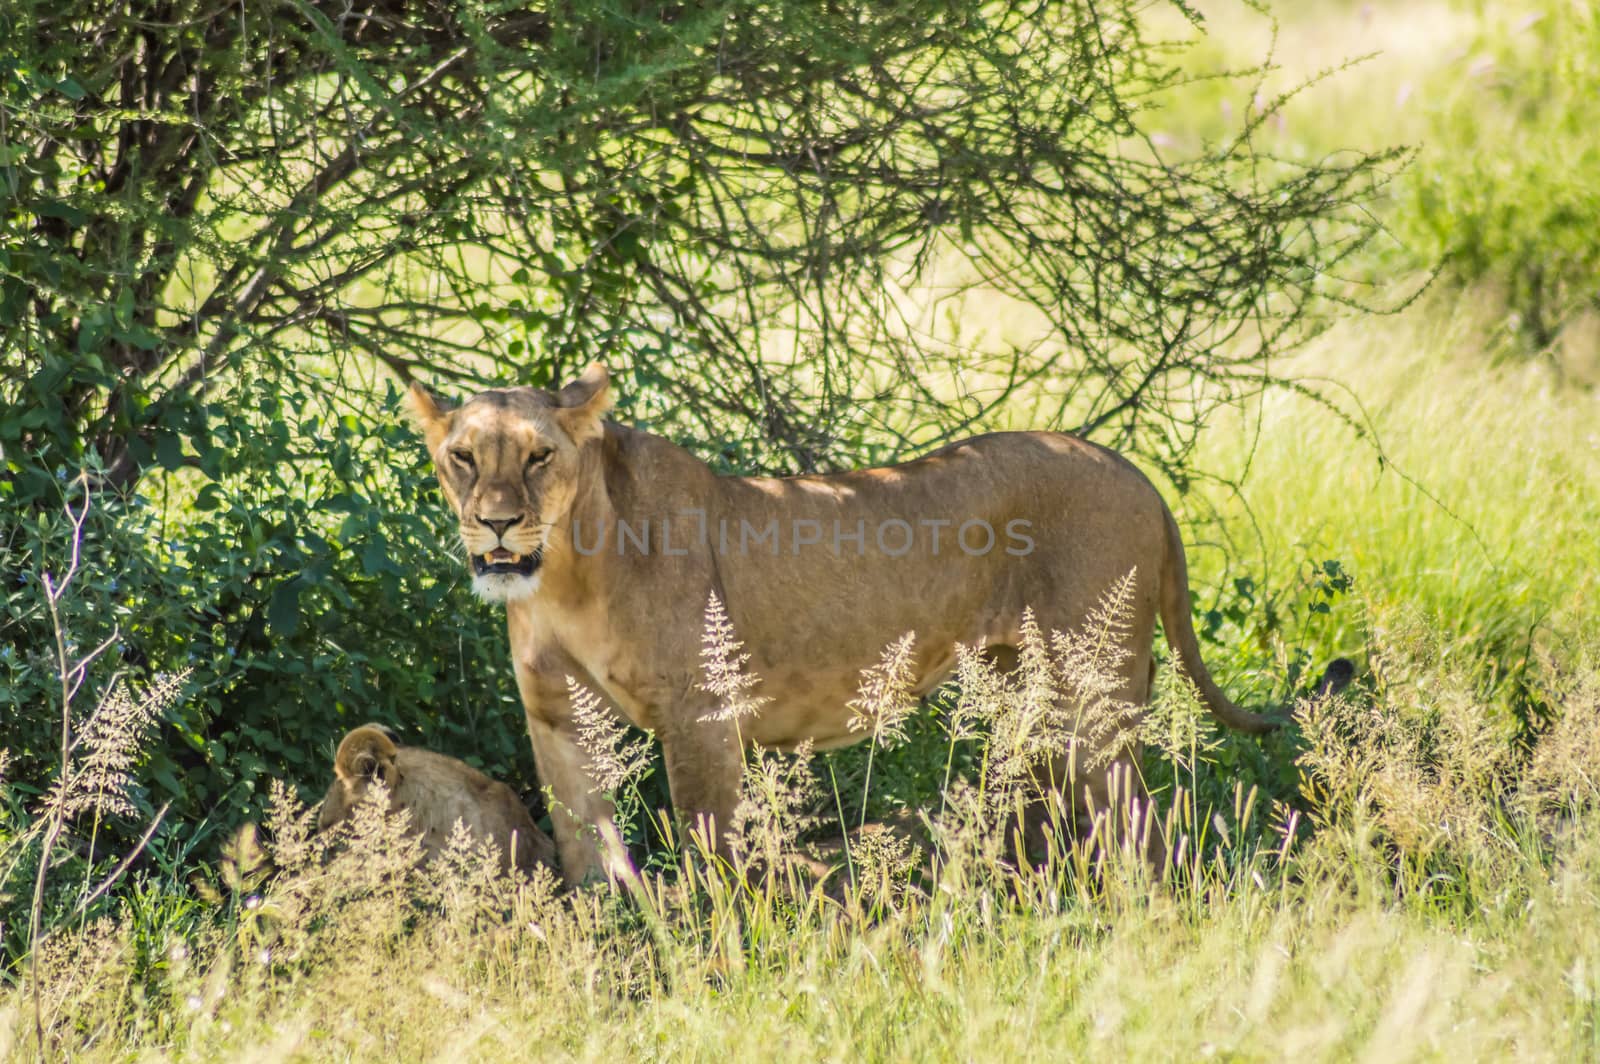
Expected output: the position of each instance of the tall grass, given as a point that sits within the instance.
(1456, 486)
(1429, 893)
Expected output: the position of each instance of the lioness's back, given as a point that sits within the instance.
(820, 572)
(949, 545)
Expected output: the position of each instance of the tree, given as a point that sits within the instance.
(220, 218)
(723, 196)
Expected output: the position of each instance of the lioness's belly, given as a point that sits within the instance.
(814, 705)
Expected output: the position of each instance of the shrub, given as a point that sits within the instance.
(301, 578)
(1505, 189)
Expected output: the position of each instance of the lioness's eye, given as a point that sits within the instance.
(464, 457)
(539, 458)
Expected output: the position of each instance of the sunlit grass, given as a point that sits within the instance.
(1472, 495)
(1442, 906)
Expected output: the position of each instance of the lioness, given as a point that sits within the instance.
(605, 544)
(437, 791)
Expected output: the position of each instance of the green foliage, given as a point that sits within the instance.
(1523, 213)
(304, 582)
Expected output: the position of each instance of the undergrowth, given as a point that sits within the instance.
(1415, 892)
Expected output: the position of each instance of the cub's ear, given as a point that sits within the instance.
(431, 413)
(581, 404)
(367, 753)
(389, 733)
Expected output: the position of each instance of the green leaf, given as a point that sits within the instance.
(283, 609)
(73, 216)
(169, 452)
(162, 772)
(209, 498)
(375, 557)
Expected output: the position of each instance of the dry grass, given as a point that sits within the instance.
(1428, 893)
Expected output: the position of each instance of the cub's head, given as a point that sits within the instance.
(509, 463)
(365, 756)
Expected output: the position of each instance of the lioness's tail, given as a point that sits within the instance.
(1179, 625)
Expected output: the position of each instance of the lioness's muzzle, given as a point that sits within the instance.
(501, 560)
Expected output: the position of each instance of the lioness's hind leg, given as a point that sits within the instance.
(1096, 791)
(705, 772)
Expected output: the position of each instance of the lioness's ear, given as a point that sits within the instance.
(581, 404)
(367, 753)
(431, 413)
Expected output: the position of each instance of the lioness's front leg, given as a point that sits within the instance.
(579, 812)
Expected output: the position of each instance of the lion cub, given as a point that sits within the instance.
(437, 791)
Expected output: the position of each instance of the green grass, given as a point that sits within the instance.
(1471, 495)
(1442, 908)
(1497, 100)
(1458, 479)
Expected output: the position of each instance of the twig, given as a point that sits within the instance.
(53, 593)
(123, 865)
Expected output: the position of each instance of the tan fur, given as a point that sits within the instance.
(628, 624)
(437, 791)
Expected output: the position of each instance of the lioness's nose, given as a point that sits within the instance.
(500, 524)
